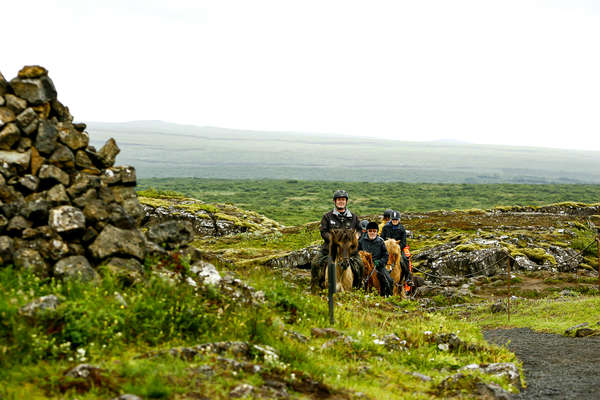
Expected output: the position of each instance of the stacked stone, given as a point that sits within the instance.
(64, 207)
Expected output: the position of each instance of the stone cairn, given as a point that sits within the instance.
(64, 207)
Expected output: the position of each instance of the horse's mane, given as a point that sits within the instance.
(343, 235)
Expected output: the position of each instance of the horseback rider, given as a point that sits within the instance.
(395, 230)
(375, 245)
(387, 214)
(363, 227)
(339, 218)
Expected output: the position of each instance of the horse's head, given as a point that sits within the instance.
(342, 244)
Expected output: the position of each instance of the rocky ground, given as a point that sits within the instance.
(555, 366)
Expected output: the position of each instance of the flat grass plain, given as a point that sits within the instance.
(161, 149)
(294, 202)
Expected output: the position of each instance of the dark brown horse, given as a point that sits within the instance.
(342, 244)
(369, 274)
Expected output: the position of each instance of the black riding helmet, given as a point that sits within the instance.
(388, 213)
(395, 215)
(363, 224)
(372, 225)
(339, 194)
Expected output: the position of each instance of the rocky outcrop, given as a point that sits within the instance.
(64, 207)
(205, 219)
(295, 259)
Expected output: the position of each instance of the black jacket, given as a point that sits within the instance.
(377, 249)
(335, 220)
(399, 233)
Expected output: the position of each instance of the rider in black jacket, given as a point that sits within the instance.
(339, 218)
(375, 245)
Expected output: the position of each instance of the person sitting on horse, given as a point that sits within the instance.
(339, 218)
(387, 214)
(375, 245)
(395, 230)
(363, 227)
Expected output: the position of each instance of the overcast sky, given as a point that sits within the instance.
(521, 72)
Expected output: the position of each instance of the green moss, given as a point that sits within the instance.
(468, 247)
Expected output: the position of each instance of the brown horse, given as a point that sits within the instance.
(394, 260)
(369, 273)
(342, 244)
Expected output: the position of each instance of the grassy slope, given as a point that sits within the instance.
(159, 316)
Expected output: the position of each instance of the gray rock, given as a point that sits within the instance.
(498, 307)
(82, 183)
(133, 208)
(29, 182)
(62, 156)
(85, 198)
(3, 85)
(42, 304)
(422, 377)
(172, 234)
(15, 158)
(242, 390)
(108, 153)
(30, 259)
(128, 270)
(46, 139)
(508, 370)
(53, 249)
(26, 118)
(295, 259)
(492, 391)
(51, 173)
(14, 103)
(6, 250)
(75, 267)
(6, 116)
(113, 241)
(8, 194)
(574, 328)
(71, 137)
(35, 91)
(82, 160)
(207, 272)
(17, 224)
(66, 219)
(57, 195)
(95, 210)
(123, 193)
(325, 333)
(127, 397)
(9, 135)
(83, 371)
(120, 218)
(62, 112)
(583, 332)
(23, 144)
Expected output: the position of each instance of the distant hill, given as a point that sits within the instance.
(161, 149)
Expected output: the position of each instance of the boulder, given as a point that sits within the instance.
(30, 259)
(66, 219)
(51, 173)
(62, 157)
(6, 250)
(16, 104)
(113, 241)
(9, 135)
(207, 272)
(171, 234)
(108, 153)
(4, 88)
(36, 91)
(15, 158)
(46, 139)
(57, 195)
(75, 267)
(6, 116)
(26, 118)
(295, 259)
(29, 182)
(128, 270)
(40, 305)
(71, 137)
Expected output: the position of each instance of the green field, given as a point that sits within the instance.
(293, 202)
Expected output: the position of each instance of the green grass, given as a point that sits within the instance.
(295, 202)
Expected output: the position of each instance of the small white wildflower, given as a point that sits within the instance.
(427, 333)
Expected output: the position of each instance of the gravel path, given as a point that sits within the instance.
(555, 366)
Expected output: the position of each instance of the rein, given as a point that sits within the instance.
(368, 277)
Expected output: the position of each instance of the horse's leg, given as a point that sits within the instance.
(347, 279)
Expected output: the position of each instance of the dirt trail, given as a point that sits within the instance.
(555, 366)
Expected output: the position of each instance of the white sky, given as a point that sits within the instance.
(521, 72)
